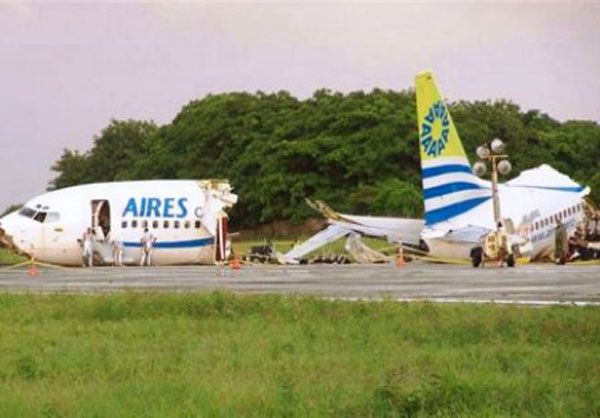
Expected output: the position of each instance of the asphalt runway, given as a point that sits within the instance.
(529, 284)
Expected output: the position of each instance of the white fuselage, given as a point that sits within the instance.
(183, 216)
(538, 232)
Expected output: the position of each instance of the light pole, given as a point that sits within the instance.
(500, 164)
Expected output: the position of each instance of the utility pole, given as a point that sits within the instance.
(500, 164)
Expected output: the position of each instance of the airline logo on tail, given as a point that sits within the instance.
(449, 186)
(432, 142)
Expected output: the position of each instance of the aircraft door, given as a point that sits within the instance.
(221, 239)
(101, 218)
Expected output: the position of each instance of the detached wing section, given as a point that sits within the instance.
(392, 229)
(340, 225)
(331, 234)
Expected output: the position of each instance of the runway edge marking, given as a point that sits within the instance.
(477, 301)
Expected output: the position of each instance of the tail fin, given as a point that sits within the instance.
(449, 186)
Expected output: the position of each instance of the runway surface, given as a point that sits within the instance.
(533, 283)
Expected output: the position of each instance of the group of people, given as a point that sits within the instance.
(89, 242)
(592, 229)
(576, 246)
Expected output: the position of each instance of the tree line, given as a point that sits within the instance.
(357, 151)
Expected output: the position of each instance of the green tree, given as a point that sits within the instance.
(10, 209)
(357, 151)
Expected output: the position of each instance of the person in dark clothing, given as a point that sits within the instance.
(561, 245)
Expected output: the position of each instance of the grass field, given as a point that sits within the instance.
(219, 354)
(8, 257)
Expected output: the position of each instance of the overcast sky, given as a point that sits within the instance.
(67, 69)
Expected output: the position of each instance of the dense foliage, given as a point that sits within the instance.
(356, 151)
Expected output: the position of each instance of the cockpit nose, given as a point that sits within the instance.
(8, 229)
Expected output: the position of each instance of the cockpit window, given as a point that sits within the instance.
(52, 217)
(40, 217)
(27, 212)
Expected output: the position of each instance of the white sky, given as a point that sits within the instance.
(67, 69)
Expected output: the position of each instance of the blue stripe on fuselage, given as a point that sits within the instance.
(444, 169)
(558, 189)
(450, 211)
(175, 244)
(445, 189)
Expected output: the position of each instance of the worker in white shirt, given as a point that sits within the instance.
(117, 251)
(88, 247)
(147, 241)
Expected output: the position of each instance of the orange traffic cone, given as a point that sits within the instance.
(400, 257)
(235, 263)
(33, 270)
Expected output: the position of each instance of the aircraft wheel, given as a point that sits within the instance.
(476, 256)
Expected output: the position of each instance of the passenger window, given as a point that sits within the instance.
(176, 224)
(144, 224)
(124, 224)
(134, 224)
(197, 224)
(186, 224)
(165, 224)
(154, 224)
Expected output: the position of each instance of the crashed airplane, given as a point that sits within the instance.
(458, 204)
(186, 217)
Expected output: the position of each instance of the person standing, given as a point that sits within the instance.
(147, 241)
(117, 252)
(590, 229)
(88, 248)
(561, 244)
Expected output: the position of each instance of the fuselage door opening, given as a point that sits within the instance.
(101, 218)
(221, 239)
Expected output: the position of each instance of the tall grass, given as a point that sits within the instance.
(220, 354)
(8, 257)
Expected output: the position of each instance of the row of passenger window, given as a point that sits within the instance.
(157, 224)
(557, 217)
